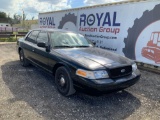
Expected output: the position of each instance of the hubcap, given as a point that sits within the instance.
(62, 81)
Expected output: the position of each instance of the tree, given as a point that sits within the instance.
(4, 18)
(17, 19)
(3, 15)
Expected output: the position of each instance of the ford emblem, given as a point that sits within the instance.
(123, 70)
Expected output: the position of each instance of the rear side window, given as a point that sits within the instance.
(42, 37)
(32, 36)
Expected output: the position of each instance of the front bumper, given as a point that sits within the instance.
(106, 85)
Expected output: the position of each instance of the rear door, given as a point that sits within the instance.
(28, 46)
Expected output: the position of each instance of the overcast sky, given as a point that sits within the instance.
(33, 7)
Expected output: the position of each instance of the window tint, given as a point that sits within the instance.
(42, 37)
(32, 36)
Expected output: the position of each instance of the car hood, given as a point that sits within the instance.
(94, 58)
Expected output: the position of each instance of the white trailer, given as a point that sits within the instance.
(125, 28)
(5, 25)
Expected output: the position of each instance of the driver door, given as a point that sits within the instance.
(41, 55)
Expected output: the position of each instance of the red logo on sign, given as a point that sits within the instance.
(152, 50)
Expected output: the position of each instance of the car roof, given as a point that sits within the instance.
(52, 30)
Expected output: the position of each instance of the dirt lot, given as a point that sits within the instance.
(29, 93)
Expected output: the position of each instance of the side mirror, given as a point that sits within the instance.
(41, 44)
(94, 43)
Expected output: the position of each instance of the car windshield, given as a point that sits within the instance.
(69, 39)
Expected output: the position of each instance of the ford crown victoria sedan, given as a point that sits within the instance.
(75, 62)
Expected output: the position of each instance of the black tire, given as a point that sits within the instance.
(67, 18)
(64, 82)
(140, 24)
(24, 62)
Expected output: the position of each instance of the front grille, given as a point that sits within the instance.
(120, 71)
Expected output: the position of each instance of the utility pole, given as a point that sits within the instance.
(23, 25)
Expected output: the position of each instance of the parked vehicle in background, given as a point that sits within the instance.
(75, 62)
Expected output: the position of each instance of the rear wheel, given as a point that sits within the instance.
(64, 82)
(24, 62)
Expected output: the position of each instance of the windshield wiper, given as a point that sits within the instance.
(65, 46)
(72, 46)
(83, 46)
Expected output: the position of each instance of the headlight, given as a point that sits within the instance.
(92, 74)
(134, 67)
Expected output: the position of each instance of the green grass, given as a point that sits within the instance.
(11, 39)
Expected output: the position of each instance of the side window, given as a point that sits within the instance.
(42, 37)
(32, 36)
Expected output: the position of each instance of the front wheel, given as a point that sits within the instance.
(22, 59)
(64, 82)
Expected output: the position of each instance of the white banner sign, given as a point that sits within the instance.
(130, 29)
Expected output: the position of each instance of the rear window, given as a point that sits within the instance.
(32, 36)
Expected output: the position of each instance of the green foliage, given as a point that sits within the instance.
(15, 20)
(4, 18)
(3, 15)
(11, 39)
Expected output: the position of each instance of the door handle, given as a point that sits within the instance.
(33, 50)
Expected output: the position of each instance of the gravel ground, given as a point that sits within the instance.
(29, 94)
